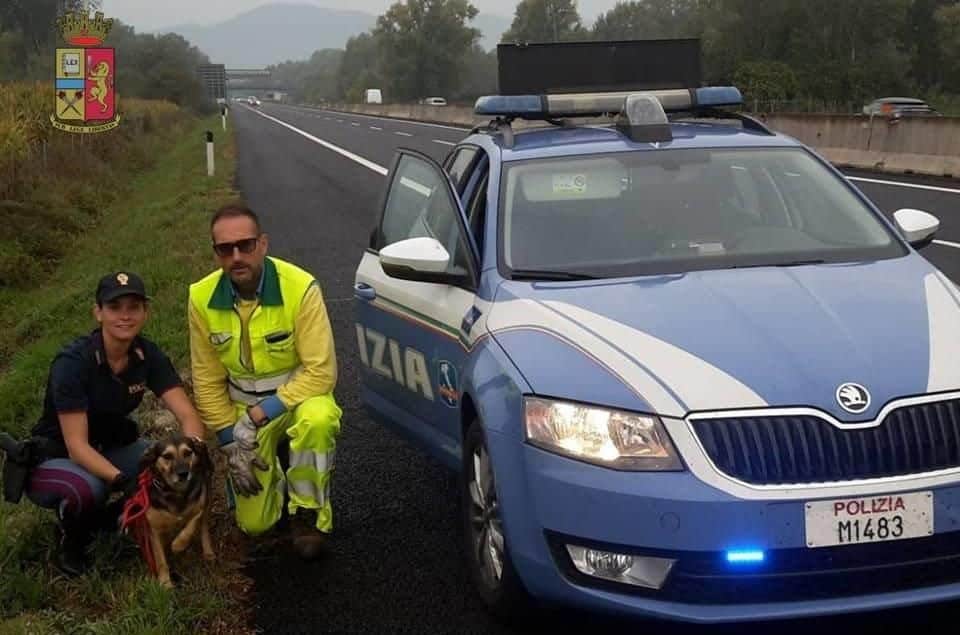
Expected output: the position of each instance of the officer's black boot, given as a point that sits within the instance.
(75, 536)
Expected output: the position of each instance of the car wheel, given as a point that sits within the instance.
(488, 555)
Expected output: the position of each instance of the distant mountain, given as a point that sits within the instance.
(492, 26)
(275, 33)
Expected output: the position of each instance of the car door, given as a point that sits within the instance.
(410, 333)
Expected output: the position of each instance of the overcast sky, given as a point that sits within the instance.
(148, 15)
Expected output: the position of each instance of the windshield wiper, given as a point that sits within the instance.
(547, 274)
(791, 263)
(796, 263)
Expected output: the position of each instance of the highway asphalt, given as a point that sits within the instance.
(394, 564)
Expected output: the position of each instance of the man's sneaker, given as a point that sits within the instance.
(307, 539)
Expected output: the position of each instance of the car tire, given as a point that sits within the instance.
(487, 553)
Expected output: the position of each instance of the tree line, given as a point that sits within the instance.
(799, 54)
(148, 66)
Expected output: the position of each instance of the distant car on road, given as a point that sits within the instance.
(253, 101)
(898, 107)
(434, 101)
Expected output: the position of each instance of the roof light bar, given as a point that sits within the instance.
(597, 104)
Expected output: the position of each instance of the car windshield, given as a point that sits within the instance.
(670, 211)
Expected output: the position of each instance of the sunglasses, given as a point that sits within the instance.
(246, 246)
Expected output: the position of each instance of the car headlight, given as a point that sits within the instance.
(611, 438)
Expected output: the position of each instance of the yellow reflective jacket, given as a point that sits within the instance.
(286, 340)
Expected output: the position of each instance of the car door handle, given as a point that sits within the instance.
(363, 291)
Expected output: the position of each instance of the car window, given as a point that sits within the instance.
(476, 207)
(678, 210)
(458, 166)
(477, 210)
(419, 205)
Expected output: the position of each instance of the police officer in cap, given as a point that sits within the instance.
(93, 447)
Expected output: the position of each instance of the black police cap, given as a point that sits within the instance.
(120, 283)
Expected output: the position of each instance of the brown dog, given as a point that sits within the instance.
(180, 496)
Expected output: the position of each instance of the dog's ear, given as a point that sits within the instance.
(203, 455)
(149, 458)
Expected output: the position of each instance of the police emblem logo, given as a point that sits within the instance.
(449, 388)
(84, 86)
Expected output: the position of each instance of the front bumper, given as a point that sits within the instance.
(557, 501)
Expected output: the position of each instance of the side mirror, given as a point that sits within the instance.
(419, 259)
(918, 227)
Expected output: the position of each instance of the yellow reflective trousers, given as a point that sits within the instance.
(312, 429)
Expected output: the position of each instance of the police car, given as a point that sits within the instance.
(683, 366)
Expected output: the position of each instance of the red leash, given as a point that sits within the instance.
(135, 515)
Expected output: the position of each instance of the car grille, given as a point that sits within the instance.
(777, 450)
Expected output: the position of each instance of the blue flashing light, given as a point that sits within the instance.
(748, 556)
(719, 96)
(510, 105)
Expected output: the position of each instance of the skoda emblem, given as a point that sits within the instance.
(853, 398)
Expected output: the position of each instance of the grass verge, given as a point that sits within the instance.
(158, 228)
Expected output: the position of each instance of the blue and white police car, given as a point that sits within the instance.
(685, 368)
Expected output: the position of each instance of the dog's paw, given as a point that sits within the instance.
(166, 583)
(209, 555)
(179, 545)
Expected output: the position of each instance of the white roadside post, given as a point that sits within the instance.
(209, 153)
(223, 115)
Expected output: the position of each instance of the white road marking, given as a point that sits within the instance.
(446, 143)
(379, 169)
(901, 184)
(947, 243)
(354, 124)
(464, 129)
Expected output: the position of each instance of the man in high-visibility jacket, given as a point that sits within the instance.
(264, 371)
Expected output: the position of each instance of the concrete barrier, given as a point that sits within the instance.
(916, 145)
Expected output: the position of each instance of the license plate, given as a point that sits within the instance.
(849, 521)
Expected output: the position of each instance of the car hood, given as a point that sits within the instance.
(737, 338)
